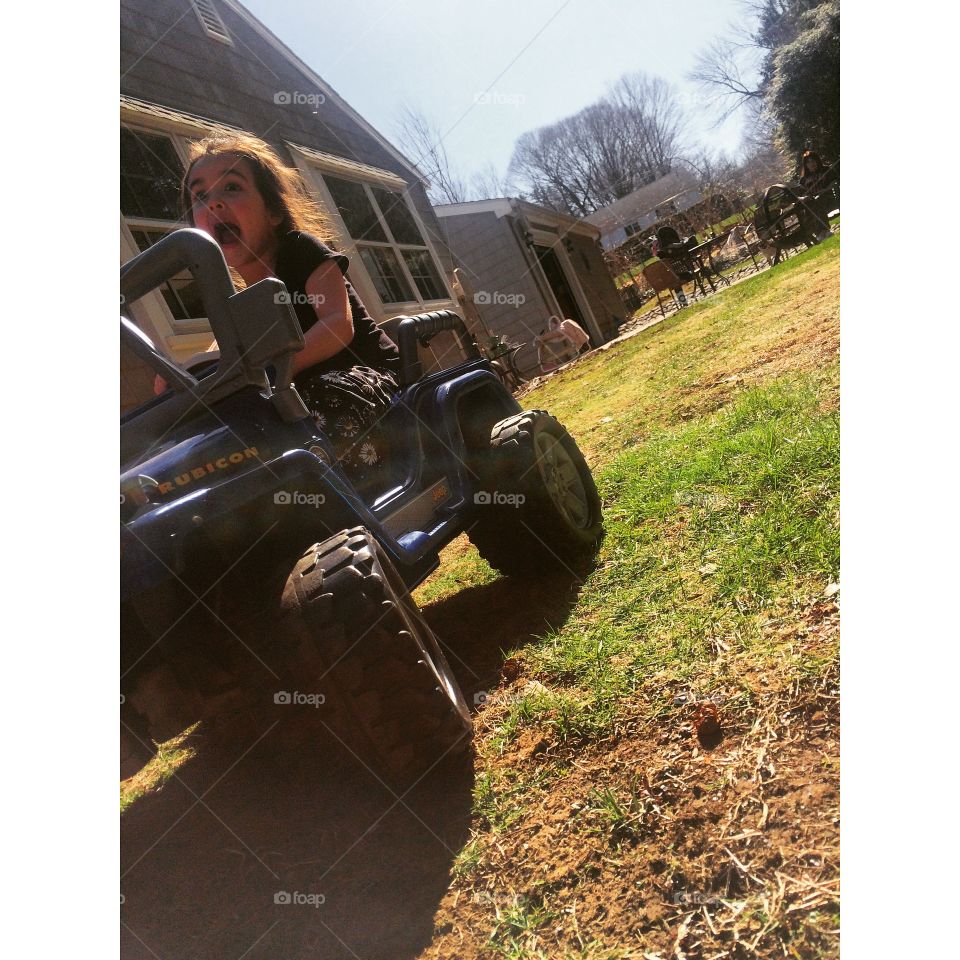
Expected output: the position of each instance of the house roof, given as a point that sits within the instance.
(132, 109)
(322, 85)
(337, 164)
(502, 206)
(642, 201)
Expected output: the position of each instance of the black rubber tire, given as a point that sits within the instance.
(397, 705)
(558, 523)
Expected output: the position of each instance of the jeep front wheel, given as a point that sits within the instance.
(537, 509)
(398, 706)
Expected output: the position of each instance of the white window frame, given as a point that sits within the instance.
(180, 339)
(314, 167)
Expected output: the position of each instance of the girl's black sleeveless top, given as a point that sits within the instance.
(298, 255)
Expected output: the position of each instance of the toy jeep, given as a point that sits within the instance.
(253, 572)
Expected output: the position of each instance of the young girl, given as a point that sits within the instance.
(259, 211)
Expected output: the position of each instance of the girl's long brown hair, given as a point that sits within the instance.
(282, 188)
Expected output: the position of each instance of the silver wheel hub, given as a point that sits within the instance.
(562, 480)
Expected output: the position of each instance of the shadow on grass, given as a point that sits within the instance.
(480, 626)
(279, 842)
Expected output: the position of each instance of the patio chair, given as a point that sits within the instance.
(553, 351)
(784, 222)
(663, 279)
(676, 252)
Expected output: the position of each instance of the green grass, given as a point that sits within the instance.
(721, 506)
(516, 927)
(471, 570)
(710, 527)
(653, 378)
(169, 757)
(714, 441)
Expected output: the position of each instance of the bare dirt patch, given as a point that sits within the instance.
(649, 845)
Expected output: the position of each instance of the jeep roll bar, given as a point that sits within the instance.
(422, 329)
(253, 328)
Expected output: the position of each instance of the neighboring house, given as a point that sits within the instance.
(190, 68)
(520, 264)
(637, 211)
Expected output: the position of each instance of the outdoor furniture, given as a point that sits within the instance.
(742, 242)
(822, 193)
(677, 253)
(504, 363)
(785, 220)
(706, 249)
(662, 279)
(553, 351)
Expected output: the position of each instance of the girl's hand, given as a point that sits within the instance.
(159, 385)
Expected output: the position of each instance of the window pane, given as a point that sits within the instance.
(150, 175)
(180, 292)
(398, 216)
(420, 265)
(384, 270)
(355, 208)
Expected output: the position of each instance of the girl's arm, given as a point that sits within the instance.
(327, 295)
(333, 330)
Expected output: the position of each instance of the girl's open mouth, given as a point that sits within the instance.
(226, 234)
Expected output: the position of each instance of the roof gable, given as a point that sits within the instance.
(643, 200)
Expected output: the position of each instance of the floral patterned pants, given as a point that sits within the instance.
(347, 406)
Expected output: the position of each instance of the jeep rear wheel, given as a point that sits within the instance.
(398, 705)
(538, 510)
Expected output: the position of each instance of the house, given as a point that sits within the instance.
(520, 263)
(638, 211)
(191, 68)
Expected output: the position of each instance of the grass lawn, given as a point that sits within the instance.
(607, 819)
(657, 771)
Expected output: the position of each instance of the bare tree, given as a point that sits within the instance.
(487, 184)
(422, 139)
(728, 70)
(586, 161)
(782, 64)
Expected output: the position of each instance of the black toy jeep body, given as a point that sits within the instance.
(251, 566)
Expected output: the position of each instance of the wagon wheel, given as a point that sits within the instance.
(786, 218)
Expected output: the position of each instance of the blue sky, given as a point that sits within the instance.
(555, 57)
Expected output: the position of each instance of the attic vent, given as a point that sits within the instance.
(212, 24)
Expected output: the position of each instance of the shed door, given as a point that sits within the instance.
(553, 270)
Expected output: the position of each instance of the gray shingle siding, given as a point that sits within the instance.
(498, 264)
(166, 58)
(488, 251)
